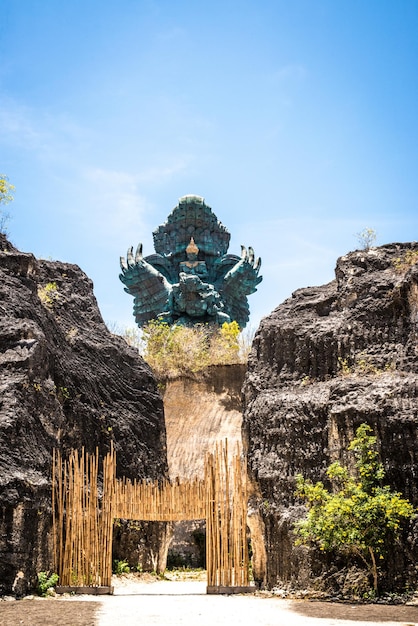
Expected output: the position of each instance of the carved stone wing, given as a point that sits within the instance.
(151, 290)
(239, 281)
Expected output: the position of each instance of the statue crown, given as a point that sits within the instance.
(192, 247)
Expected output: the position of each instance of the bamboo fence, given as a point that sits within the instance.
(82, 520)
(160, 501)
(227, 557)
(85, 503)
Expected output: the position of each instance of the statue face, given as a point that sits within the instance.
(191, 256)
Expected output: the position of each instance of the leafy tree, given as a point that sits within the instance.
(6, 190)
(359, 516)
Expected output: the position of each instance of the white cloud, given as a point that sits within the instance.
(117, 199)
(109, 202)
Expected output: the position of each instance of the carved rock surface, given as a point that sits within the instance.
(326, 360)
(65, 382)
(201, 409)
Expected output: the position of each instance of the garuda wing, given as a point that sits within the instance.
(150, 289)
(240, 281)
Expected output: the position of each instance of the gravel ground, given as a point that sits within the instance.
(172, 603)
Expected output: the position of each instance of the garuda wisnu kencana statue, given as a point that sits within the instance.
(191, 279)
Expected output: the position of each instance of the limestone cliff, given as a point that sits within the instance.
(200, 410)
(326, 360)
(65, 382)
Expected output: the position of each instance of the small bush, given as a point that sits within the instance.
(46, 581)
(48, 294)
(404, 262)
(6, 190)
(120, 567)
(366, 238)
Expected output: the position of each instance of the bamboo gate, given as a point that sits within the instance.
(85, 505)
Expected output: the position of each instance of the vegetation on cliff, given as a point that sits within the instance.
(172, 350)
(358, 516)
(6, 190)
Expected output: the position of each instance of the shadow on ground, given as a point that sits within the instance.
(357, 612)
(40, 613)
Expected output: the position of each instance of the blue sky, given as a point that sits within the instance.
(296, 121)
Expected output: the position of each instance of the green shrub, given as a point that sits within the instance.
(48, 294)
(46, 580)
(403, 263)
(6, 190)
(358, 516)
(120, 567)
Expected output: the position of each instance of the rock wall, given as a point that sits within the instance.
(65, 382)
(200, 410)
(326, 360)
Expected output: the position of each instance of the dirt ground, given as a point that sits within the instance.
(153, 602)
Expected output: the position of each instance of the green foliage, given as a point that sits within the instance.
(344, 366)
(359, 516)
(366, 238)
(404, 262)
(63, 394)
(224, 345)
(362, 364)
(6, 190)
(46, 580)
(48, 294)
(172, 350)
(120, 567)
(306, 380)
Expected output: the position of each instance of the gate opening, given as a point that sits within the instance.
(84, 510)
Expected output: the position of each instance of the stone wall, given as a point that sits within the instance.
(200, 410)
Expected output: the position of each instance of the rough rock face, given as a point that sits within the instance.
(65, 382)
(200, 410)
(326, 360)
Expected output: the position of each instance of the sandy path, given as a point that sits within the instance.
(169, 603)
